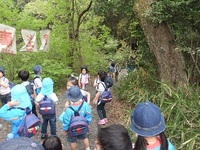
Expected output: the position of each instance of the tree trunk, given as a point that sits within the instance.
(74, 27)
(162, 43)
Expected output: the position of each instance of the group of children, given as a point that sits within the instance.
(147, 122)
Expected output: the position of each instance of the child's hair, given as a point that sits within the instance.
(52, 143)
(23, 75)
(141, 142)
(73, 80)
(114, 137)
(84, 67)
(102, 75)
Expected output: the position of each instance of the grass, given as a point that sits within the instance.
(179, 106)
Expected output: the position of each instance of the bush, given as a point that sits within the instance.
(179, 106)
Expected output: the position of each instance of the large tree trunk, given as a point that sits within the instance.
(161, 42)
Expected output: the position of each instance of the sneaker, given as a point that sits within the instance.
(106, 120)
(101, 122)
(44, 136)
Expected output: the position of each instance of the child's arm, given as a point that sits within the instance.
(38, 98)
(5, 84)
(13, 103)
(98, 94)
(66, 120)
(66, 105)
(7, 114)
(88, 114)
(34, 95)
(79, 80)
(95, 83)
(88, 98)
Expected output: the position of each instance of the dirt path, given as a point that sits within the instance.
(114, 116)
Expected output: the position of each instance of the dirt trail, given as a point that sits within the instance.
(59, 108)
(113, 117)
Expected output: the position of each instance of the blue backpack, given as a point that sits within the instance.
(30, 89)
(108, 82)
(47, 106)
(106, 95)
(30, 124)
(78, 124)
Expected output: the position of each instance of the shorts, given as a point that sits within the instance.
(74, 139)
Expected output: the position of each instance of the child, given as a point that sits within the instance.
(72, 81)
(37, 80)
(15, 110)
(101, 105)
(149, 125)
(111, 69)
(96, 82)
(117, 70)
(52, 143)
(47, 90)
(113, 137)
(84, 77)
(75, 96)
(5, 95)
(24, 75)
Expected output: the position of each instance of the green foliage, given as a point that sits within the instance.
(8, 13)
(181, 110)
(179, 106)
(119, 19)
(183, 19)
(182, 16)
(137, 86)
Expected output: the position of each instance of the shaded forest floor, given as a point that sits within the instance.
(116, 112)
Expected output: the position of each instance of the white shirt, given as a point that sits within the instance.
(4, 90)
(38, 82)
(25, 83)
(41, 96)
(84, 78)
(100, 87)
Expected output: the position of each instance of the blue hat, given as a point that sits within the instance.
(37, 69)
(147, 120)
(19, 93)
(2, 70)
(47, 86)
(21, 143)
(74, 94)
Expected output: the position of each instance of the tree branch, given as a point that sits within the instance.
(81, 15)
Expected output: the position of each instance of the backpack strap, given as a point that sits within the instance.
(75, 112)
(104, 86)
(35, 78)
(4, 78)
(27, 109)
(45, 98)
(16, 108)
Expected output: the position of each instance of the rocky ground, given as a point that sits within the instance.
(114, 112)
